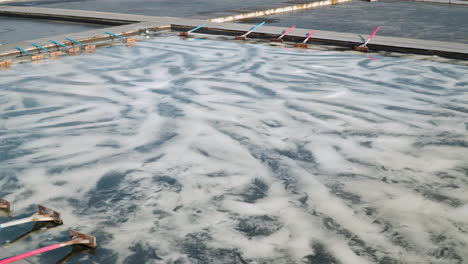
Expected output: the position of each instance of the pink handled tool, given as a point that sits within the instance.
(364, 47)
(304, 43)
(76, 238)
(280, 38)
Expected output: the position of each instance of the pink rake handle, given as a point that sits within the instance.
(30, 254)
(373, 33)
(287, 31)
(310, 35)
(371, 36)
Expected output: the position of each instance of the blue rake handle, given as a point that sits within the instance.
(58, 43)
(115, 35)
(75, 41)
(255, 28)
(197, 28)
(39, 46)
(22, 50)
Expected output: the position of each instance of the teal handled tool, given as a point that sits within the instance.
(40, 47)
(58, 44)
(23, 51)
(71, 50)
(86, 47)
(75, 41)
(244, 37)
(186, 34)
(115, 35)
(33, 57)
(127, 40)
(52, 53)
(59, 53)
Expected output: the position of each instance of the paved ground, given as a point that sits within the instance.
(397, 18)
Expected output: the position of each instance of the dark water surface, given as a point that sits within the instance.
(14, 29)
(175, 8)
(405, 19)
(201, 151)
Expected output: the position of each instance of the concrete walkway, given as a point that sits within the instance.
(134, 24)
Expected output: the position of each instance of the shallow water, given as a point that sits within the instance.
(202, 151)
